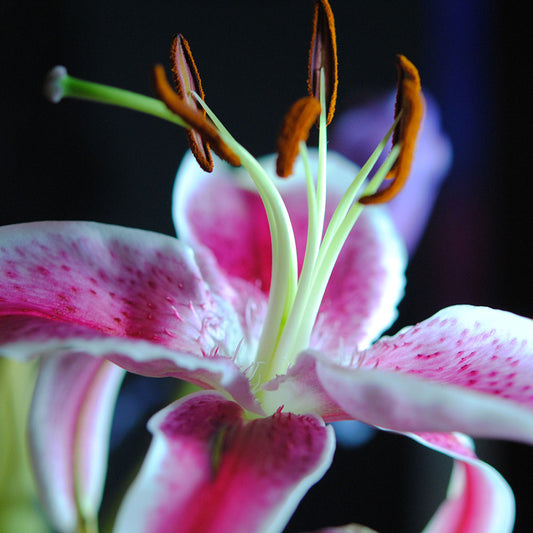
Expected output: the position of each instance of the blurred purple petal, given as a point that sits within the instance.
(357, 132)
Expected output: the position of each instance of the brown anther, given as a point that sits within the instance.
(295, 128)
(184, 71)
(410, 103)
(323, 55)
(186, 80)
(195, 119)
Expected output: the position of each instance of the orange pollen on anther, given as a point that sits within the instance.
(186, 80)
(295, 128)
(410, 103)
(323, 55)
(184, 70)
(194, 118)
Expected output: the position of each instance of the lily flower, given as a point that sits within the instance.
(271, 301)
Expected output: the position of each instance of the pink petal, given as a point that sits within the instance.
(222, 211)
(479, 500)
(210, 470)
(466, 369)
(301, 391)
(69, 428)
(212, 210)
(136, 297)
(365, 288)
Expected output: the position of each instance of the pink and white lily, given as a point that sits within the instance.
(270, 300)
(81, 294)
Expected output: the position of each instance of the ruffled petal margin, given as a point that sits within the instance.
(69, 427)
(208, 469)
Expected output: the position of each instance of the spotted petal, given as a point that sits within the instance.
(69, 428)
(210, 470)
(143, 300)
(223, 211)
(467, 369)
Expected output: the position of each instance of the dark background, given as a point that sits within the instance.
(78, 160)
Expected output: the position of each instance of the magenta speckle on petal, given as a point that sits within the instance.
(492, 359)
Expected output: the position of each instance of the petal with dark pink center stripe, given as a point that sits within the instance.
(208, 469)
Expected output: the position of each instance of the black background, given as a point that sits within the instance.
(78, 160)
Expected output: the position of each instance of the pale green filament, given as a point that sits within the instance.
(322, 158)
(293, 302)
(317, 267)
(301, 326)
(313, 243)
(316, 199)
(284, 259)
(312, 286)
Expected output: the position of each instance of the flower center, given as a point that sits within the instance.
(295, 297)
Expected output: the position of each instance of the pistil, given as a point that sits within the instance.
(59, 84)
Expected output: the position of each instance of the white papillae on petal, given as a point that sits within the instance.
(479, 500)
(136, 297)
(301, 391)
(223, 212)
(466, 369)
(210, 470)
(69, 428)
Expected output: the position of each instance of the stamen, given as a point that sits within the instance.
(187, 81)
(323, 55)
(284, 278)
(410, 103)
(194, 119)
(294, 129)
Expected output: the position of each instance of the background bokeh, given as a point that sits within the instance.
(78, 160)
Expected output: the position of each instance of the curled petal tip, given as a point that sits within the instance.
(53, 88)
